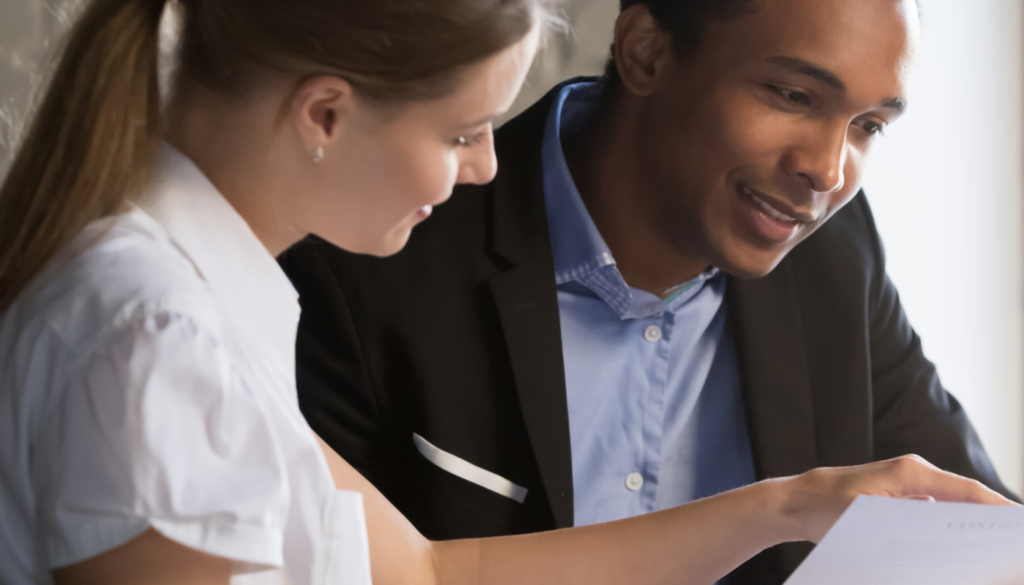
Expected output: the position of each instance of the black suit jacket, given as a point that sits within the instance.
(457, 338)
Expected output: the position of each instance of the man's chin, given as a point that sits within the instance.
(751, 266)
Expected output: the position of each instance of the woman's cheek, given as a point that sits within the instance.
(436, 180)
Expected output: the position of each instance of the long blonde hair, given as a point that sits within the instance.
(93, 142)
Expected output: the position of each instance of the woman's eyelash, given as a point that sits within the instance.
(467, 141)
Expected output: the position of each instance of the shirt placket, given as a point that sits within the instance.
(658, 333)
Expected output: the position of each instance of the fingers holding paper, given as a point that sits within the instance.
(816, 499)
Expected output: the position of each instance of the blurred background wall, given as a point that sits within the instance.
(946, 184)
(27, 28)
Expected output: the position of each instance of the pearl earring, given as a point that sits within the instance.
(318, 154)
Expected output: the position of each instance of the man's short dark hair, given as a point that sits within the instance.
(685, 20)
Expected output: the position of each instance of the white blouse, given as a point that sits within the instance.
(147, 381)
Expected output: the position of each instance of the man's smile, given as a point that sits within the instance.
(770, 219)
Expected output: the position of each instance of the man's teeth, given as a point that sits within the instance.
(768, 208)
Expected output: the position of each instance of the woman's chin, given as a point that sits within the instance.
(389, 245)
(382, 245)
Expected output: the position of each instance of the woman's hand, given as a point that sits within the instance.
(693, 544)
(813, 501)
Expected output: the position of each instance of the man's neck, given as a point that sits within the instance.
(601, 161)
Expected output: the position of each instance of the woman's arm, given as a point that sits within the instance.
(148, 559)
(689, 545)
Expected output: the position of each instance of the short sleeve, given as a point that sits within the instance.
(156, 429)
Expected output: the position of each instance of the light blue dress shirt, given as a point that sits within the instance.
(655, 412)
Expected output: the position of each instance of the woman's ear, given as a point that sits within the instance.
(319, 106)
(640, 49)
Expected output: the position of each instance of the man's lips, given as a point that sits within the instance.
(768, 220)
(776, 208)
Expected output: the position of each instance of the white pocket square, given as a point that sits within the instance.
(469, 472)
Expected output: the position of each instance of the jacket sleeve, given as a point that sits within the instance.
(912, 411)
(335, 392)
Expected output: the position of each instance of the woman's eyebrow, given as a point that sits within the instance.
(482, 121)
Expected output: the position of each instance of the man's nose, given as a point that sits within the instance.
(820, 158)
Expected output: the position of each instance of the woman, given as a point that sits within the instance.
(151, 431)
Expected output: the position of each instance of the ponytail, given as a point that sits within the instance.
(92, 144)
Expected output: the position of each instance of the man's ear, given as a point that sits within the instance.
(640, 49)
(318, 108)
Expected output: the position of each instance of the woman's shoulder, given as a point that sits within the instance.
(126, 384)
(118, 270)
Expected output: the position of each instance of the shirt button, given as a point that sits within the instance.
(634, 481)
(652, 333)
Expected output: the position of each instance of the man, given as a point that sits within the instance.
(622, 321)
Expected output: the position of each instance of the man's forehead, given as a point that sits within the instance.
(826, 22)
(836, 42)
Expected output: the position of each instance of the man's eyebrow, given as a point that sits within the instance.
(898, 104)
(811, 70)
(831, 79)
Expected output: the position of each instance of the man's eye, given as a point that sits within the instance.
(872, 128)
(791, 96)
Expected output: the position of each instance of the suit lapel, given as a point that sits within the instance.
(527, 303)
(774, 372)
(529, 317)
(775, 379)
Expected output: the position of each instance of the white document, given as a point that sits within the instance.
(884, 541)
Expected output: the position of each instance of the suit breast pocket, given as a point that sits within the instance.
(457, 499)
(476, 475)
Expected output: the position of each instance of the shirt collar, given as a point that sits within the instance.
(579, 251)
(575, 242)
(254, 292)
